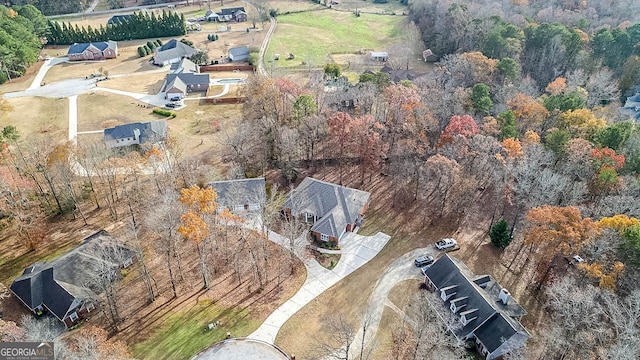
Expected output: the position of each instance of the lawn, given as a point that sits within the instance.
(183, 334)
(314, 36)
(98, 110)
(38, 116)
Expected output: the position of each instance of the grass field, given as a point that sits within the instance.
(98, 110)
(314, 36)
(38, 116)
(183, 334)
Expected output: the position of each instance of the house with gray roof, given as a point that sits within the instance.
(101, 50)
(332, 209)
(232, 14)
(488, 314)
(171, 52)
(62, 286)
(135, 133)
(184, 66)
(632, 107)
(119, 19)
(241, 194)
(181, 84)
(240, 53)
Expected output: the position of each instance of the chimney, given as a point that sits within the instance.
(136, 134)
(504, 296)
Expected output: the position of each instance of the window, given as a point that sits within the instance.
(73, 316)
(324, 237)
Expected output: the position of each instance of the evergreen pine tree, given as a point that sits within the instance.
(499, 234)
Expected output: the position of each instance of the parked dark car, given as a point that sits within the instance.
(424, 261)
(170, 105)
(175, 98)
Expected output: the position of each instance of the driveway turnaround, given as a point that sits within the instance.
(357, 250)
(242, 349)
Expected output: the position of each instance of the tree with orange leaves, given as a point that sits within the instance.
(557, 86)
(513, 148)
(463, 125)
(529, 112)
(199, 203)
(597, 271)
(556, 231)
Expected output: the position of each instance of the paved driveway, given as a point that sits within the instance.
(357, 250)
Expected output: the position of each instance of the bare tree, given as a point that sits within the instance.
(163, 220)
(340, 334)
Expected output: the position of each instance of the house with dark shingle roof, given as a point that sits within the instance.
(240, 194)
(117, 19)
(488, 314)
(236, 14)
(332, 209)
(135, 133)
(397, 75)
(60, 286)
(93, 51)
(172, 51)
(240, 53)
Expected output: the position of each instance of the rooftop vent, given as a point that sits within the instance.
(504, 296)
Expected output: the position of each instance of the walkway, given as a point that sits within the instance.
(357, 250)
(73, 119)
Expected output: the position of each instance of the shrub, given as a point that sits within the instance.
(499, 234)
(141, 51)
(151, 45)
(159, 42)
(147, 50)
(164, 112)
(186, 42)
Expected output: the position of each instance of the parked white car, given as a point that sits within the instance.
(446, 244)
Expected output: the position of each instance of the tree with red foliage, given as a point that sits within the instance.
(463, 125)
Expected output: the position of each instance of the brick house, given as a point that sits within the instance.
(93, 51)
(332, 209)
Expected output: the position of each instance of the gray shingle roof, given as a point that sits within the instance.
(184, 66)
(151, 131)
(116, 19)
(172, 50)
(60, 283)
(189, 79)
(239, 192)
(495, 331)
(335, 205)
(239, 51)
(448, 273)
(78, 48)
(230, 11)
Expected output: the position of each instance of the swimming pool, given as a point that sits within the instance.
(230, 81)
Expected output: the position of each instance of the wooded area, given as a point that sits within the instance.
(140, 25)
(21, 28)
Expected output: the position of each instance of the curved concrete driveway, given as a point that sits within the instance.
(43, 71)
(400, 270)
(357, 250)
